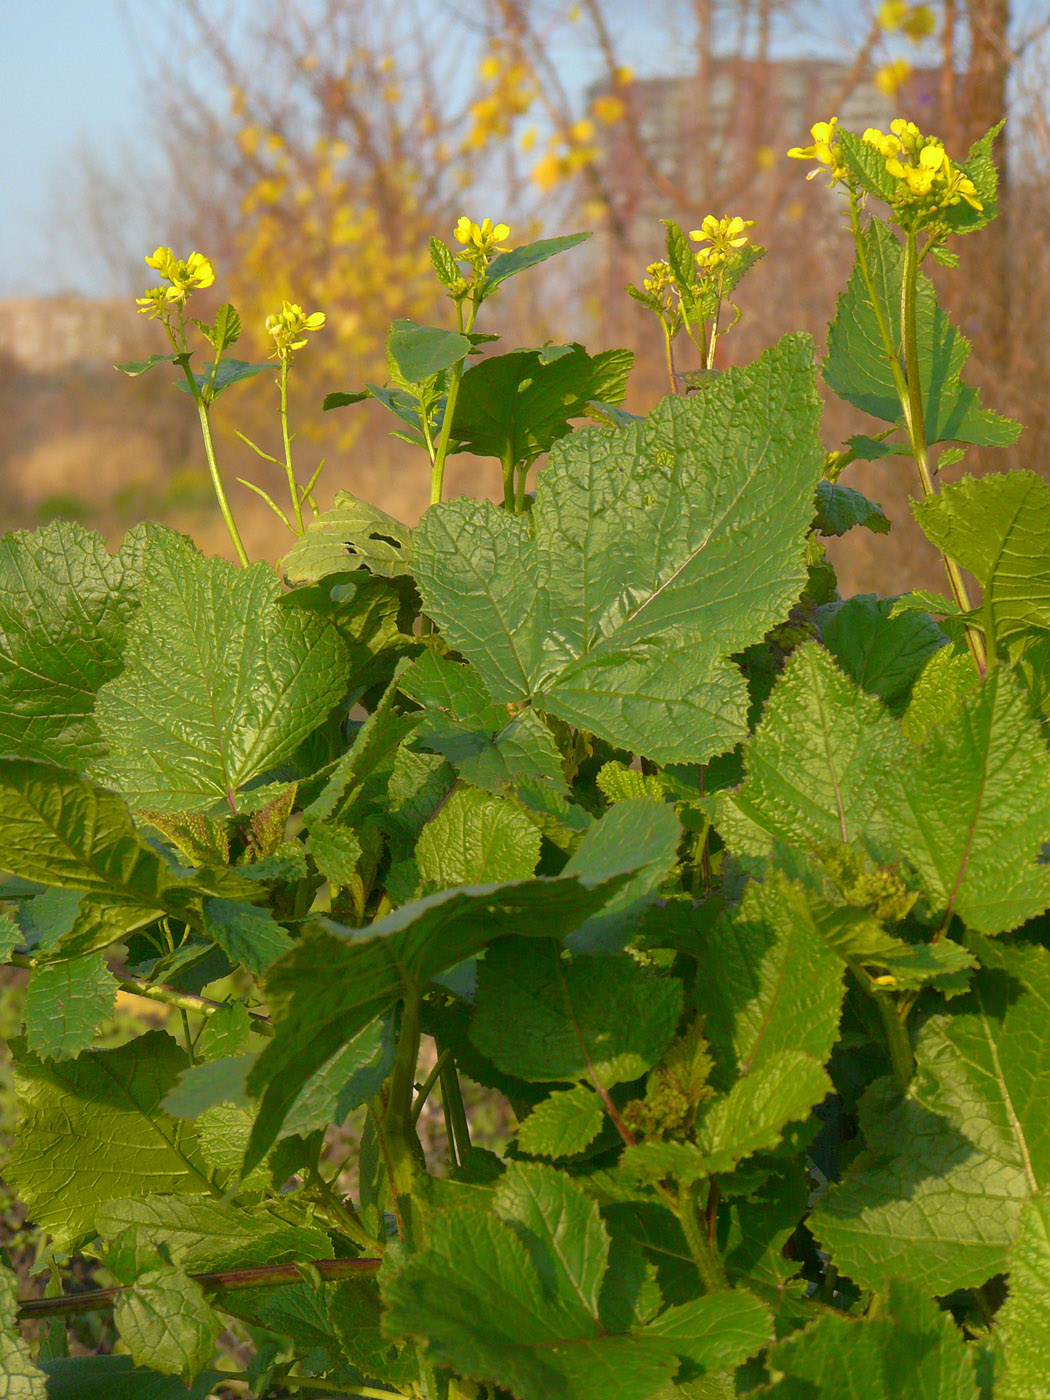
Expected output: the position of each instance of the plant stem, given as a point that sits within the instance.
(213, 468)
(705, 1256)
(425, 1088)
(669, 356)
(507, 465)
(397, 1131)
(155, 991)
(897, 1042)
(348, 1219)
(226, 1281)
(452, 1098)
(437, 472)
(286, 438)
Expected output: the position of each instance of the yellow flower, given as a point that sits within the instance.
(927, 181)
(608, 109)
(893, 76)
(482, 239)
(548, 171)
(825, 150)
(917, 22)
(489, 68)
(582, 131)
(290, 325)
(184, 277)
(153, 303)
(723, 235)
(624, 74)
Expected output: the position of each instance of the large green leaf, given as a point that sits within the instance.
(818, 764)
(64, 608)
(66, 1002)
(330, 986)
(118, 1378)
(938, 1196)
(420, 352)
(350, 535)
(516, 260)
(651, 555)
(219, 685)
(563, 1124)
(476, 838)
(858, 369)
(519, 1298)
(911, 1350)
(167, 1323)
(516, 406)
(840, 508)
(1023, 1326)
(882, 652)
(92, 1131)
(998, 527)
(540, 1017)
(20, 1379)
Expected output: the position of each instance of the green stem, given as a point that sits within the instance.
(403, 1153)
(705, 1256)
(452, 1098)
(897, 1042)
(437, 473)
(286, 439)
(425, 1088)
(213, 463)
(348, 1219)
(669, 355)
(507, 464)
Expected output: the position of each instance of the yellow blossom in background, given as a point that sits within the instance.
(528, 139)
(481, 239)
(916, 22)
(624, 74)
(582, 131)
(289, 327)
(765, 157)
(892, 76)
(824, 150)
(489, 68)
(608, 109)
(547, 172)
(723, 235)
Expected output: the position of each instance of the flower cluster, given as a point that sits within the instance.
(570, 152)
(722, 236)
(511, 92)
(928, 183)
(289, 328)
(825, 150)
(480, 241)
(182, 276)
(915, 22)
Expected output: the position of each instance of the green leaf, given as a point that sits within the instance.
(998, 527)
(883, 653)
(218, 686)
(167, 1323)
(213, 1082)
(336, 851)
(976, 810)
(229, 372)
(64, 609)
(767, 983)
(443, 261)
(858, 370)
(1023, 1325)
(20, 1379)
(205, 1234)
(66, 1003)
(757, 1109)
(910, 1350)
(516, 1298)
(639, 835)
(562, 1125)
(651, 555)
(132, 368)
(351, 535)
(840, 508)
(818, 765)
(516, 406)
(505, 265)
(343, 400)
(420, 352)
(938, 1196)
(942, 685)
(476, 839)
(118, 1378)
(246, 934)
(92, 1131)
(225, 329)
(540, 1017)
(329, 987)
(226, 1032)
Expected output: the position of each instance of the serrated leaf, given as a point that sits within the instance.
(817, 765)
(514, 1298)
(167, 1323)
(92, 1131)
(420, 352)
(651, 554)
(858, 370)
(64, 609)
(202, 1086)
(444, 264)
(205, 1234)
(563, 1124)
(910, 1350)
(508, 264)
(225, 329)
(218, 686)
(20, 1378)
(884, 653)
(516, 406)
(335, 851)
(542, 1018)
(618, 783)
(350, 535)
(752, 1116)
(118, 1378)
(66, 1003)
(942, 685)
(938, 1196)
(226, 1032)
(356, 1310)
(998, 527)
(246, 934)
(330, 987)
(1023, 1326)
(476, 839)
(839, 508)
